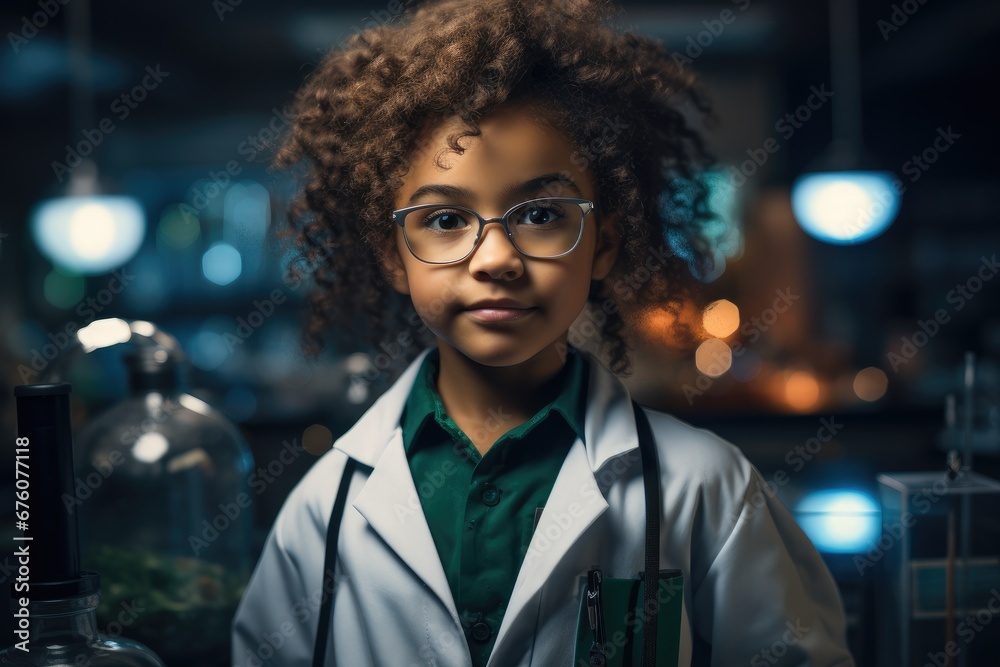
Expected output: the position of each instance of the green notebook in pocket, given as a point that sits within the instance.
(619, 611)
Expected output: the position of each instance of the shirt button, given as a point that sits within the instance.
(481, 632)
(491, 495)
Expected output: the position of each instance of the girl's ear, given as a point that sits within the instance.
(608, 244)
(392, 265)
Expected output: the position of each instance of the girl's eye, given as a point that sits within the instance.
(538, 215)
(446, 220)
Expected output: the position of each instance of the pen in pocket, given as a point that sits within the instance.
(595, 612)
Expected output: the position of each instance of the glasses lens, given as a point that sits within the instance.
(541, 228)
(546, 227)
(439, 233)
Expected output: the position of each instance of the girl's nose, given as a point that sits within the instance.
(495, 254)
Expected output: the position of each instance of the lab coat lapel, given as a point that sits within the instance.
(388, 501)
(574, 504)
(572, 507)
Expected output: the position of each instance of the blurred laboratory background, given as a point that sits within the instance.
(852, 357)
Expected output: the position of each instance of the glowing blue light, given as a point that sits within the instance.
(207, 350)
(845, 207)
(840, 521)
(245, 218)
(222, 264)
(722, 234)
(88, 235)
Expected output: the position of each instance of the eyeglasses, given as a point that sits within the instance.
(541, 228)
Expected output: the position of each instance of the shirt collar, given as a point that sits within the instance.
(424, 401)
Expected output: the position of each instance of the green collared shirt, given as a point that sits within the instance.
(481, 508)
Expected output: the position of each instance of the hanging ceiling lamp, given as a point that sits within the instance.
(85, 231)
(844, 197)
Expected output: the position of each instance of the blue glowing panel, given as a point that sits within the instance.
(840, 520)
(845, 207)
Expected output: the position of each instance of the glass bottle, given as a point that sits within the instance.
(164, 496)
(54, 604)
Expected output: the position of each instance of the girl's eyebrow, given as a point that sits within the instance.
(530, 186)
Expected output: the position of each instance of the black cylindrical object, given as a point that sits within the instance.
(43, 417)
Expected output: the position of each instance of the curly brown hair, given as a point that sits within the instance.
(358, 116)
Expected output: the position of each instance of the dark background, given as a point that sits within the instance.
(228, 75)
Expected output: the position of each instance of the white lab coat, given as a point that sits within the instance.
(754, 586)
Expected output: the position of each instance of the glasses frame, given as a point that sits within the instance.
(586, 206)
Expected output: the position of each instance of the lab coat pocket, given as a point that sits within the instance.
(611, 620)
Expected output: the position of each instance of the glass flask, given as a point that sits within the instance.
(162, 488)
(53, 601)
(65, 632)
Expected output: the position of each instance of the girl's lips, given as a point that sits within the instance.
(498, 314)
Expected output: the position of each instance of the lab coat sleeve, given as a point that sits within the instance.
(767, 598)
(275, 622)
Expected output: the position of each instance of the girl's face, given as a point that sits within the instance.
(512, 150)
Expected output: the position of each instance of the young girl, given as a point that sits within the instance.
(489, 181)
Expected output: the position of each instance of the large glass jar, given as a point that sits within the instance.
(165, 506)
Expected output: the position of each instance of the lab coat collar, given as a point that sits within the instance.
(609, 428)
(390, 504)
